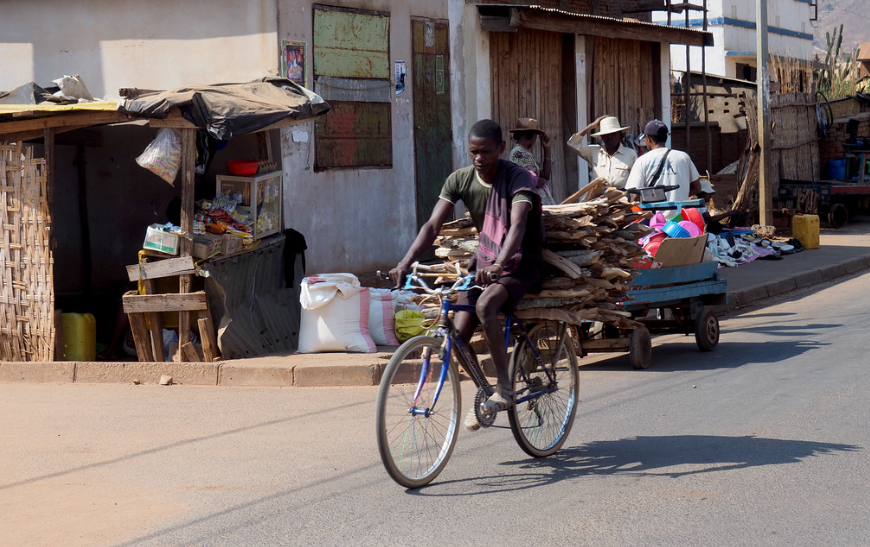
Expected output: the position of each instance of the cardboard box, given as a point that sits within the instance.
(206, 245)
(231, 245)
(681, 251)
(158, 240)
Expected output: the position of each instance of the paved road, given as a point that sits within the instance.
(761, 442)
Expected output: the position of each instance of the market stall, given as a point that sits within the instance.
(223, 111)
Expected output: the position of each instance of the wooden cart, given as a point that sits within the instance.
(666, 301)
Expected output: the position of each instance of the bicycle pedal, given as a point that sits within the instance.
(484, 418)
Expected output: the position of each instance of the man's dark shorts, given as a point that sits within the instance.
(522, 281)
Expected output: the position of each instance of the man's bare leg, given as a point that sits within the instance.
(488, 306)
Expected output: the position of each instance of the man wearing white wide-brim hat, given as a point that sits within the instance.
(613, 161)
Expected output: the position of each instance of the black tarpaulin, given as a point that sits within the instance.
(230, 110)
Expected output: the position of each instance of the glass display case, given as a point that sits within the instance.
(260, 196)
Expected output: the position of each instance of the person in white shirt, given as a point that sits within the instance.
(661, 166)
(613, 161)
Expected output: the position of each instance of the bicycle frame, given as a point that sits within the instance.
(468, 360)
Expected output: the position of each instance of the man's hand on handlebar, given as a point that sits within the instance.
(488, 275)
(398, 274)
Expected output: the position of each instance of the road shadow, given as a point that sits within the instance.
(684, 355)
(667, 456)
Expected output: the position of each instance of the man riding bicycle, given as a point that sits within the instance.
(506, 210)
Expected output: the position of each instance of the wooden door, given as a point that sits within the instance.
(527, 82)
(624, 81)
(433, 136)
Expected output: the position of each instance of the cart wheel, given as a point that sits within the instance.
(640, 348)
(707, 330)
(838, 215)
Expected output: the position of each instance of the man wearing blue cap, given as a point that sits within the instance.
(661, 166)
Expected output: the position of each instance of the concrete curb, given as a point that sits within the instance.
(800, 280)
(335, 369)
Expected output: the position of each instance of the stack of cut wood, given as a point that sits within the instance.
(588, 259)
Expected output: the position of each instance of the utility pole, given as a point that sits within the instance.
(765, 189)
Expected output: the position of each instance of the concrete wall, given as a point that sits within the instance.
(355, 220)
(159, 44)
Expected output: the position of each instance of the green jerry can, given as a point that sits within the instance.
(79, 337)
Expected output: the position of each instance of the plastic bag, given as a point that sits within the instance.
(409, 323)
(163, 155)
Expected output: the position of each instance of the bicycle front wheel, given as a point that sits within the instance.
(416, 433)
(543, 367)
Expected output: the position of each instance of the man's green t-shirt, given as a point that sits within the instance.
(464, 185)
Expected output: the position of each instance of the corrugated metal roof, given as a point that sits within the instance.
(630, 23)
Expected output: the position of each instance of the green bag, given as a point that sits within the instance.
(408, 323)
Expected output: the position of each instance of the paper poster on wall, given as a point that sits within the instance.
(293, 61)
(401, 70)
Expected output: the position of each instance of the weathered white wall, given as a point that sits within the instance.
(159, 44)
(355, 220)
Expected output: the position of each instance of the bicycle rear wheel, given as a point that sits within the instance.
(415, 438)
(541, 422)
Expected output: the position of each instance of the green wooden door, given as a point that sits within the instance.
(433, 159)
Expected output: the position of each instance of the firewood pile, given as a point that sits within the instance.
(588, 259)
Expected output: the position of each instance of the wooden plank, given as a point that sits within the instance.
(144, 303)
(606, 345)
(188, 166)
(207, 336)
(163, 268)
(140, 336)
(571, 270)
(155, 325)
(173, 122)
(81, 119)
(188, 353)
(596, 185)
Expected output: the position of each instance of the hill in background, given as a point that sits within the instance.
(854, 15)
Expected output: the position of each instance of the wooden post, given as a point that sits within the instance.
(140, 336)
(765, 189)
(155, 325)
(188, 164)
(687, 78)
(207, 336)
(56, 350)
(706, 108)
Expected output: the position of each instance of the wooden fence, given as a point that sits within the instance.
(794, 153)
(27, 328)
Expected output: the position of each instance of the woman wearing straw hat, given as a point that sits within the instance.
(613, 161)
(525, 134)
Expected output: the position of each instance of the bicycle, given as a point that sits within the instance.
(419, 400)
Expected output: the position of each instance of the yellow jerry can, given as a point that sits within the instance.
(79, 337)
(805, 228)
